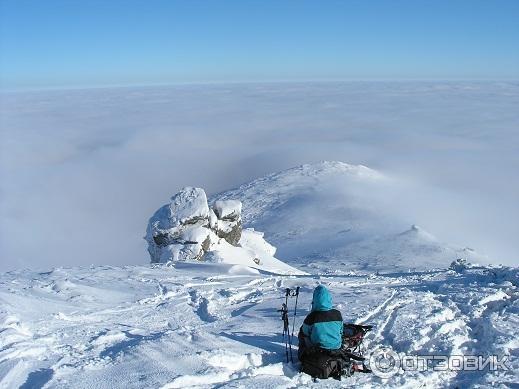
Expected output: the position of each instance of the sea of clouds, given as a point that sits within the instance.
(82, 170)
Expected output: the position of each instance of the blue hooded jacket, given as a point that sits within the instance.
(323, 326)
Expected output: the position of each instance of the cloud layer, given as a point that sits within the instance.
(82, 170)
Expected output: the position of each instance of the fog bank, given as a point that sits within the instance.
(82, 170)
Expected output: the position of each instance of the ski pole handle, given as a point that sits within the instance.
(293, 293)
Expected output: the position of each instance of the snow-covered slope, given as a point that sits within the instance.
(336, 216)
(214, 324)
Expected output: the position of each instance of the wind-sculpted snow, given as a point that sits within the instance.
(216, 325)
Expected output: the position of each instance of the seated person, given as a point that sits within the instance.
(322, 328)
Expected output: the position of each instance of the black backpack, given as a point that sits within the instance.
(323, 364)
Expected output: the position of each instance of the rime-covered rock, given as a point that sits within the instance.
(186, 228)
(227, 209)
(228, 225)
(180, 230)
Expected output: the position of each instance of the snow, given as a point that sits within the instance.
(498, 296)
(187, 204)
(206, 325)
(215, 323)
(213, 219)
(254, 240)
(227, 208)
(332, 210)
(254, 252)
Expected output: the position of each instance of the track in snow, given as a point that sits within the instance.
(176, 327)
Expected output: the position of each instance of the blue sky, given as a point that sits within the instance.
(90, 43)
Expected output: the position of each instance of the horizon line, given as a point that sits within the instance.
(245, 82)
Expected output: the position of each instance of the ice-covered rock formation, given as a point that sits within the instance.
(180, 230)
(228, 223)
(187, 229)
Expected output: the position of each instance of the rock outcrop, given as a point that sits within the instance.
(186, 228)
(228, 213)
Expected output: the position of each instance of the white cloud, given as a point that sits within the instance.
(81, 171)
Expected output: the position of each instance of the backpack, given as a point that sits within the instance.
(323, 364)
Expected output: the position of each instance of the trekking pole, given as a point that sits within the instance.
(287, 324)
(293, 323)
(284, 317)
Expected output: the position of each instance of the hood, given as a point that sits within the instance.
(322, 300)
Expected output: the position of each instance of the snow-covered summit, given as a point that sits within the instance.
(273, 190)
(332, 215)
(327, 216)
